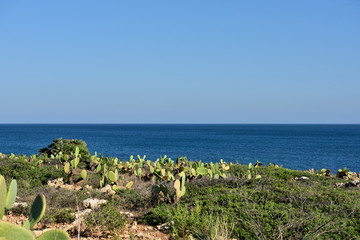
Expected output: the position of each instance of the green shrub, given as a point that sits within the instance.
(28, 173)
(67, 147)
(106, 218)
(133, 199)
(55, 215)
(157, 215)
(275, 206)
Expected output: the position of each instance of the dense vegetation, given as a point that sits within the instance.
(197, 200)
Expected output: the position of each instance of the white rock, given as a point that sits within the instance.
(56, 183)
(20, 204)
(93, 203)
(127, 214)
(82, 213)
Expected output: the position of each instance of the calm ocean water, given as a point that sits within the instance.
(295, 146)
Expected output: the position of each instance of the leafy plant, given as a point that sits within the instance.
(71, 168)
(66, 147)
(10, 231)
(252, 173)
(107, 217)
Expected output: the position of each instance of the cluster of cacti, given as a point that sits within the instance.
(163, 169)
(323, 172)
(346, 174)
(274, 165)
(9, 231)
(251, 172)
(71, 167)
(180, 187)
(109, 169)
(112, 169)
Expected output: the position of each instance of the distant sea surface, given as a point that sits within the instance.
(295, 146)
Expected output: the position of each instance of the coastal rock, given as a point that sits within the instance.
(355, 183)
(56, 183)
(107, 189)
(127, 214)
(301, 178)
(59, 183)
(93, 203)
(81, 214)
(163, 227)
(346, 175)
(20, 205)
(339, 185)
(353, 175)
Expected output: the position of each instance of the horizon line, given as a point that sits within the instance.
(181, 123)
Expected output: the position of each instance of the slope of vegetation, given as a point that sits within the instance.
(196, 200)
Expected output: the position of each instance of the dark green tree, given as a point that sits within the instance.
(67, 146)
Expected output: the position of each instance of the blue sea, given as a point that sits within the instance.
(295, 146)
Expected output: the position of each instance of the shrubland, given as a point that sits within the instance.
(196, 200)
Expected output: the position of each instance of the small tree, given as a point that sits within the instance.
(67, 146)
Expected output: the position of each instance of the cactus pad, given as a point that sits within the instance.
(54, 234)
(67, 167)
(202, 171)
(112, 176)
(37, 210)
(2, 196)
(11, 194)
(9, 231)
(83, 174)
(129, 184)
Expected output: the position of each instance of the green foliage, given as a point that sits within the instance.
(55, 215)
(275, 205)
(214, 228)
(132, 199)
(30, 173)
(252, 171)
(220, 199)
(185, 220)
(106, 218)
(67, 147)
(156, 216)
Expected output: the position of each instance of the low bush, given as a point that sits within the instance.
(29, 174)
(106, 218)
(275, 206)
(67, 147)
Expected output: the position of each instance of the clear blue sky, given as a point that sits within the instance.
(180, 61)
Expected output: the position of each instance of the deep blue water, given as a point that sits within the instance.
(295, 146)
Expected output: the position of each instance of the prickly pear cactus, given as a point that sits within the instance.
(2, 196)
(202, 171)
(11, 194)
(37, 211)
(10, 231)
(54, 235)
